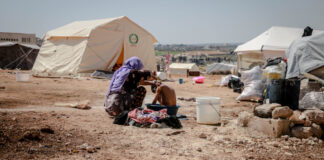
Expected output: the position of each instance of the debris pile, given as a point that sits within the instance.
(285, 121)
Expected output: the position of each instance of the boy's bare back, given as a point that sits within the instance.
(165, 95)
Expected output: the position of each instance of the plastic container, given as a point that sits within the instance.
(180, 80)
(161, 75)
(208, 110)
(291, 93)
(22, 77)
(275, 91)
(171, 110)
(285, 92)
(199, 79)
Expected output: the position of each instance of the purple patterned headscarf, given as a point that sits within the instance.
(122, 73)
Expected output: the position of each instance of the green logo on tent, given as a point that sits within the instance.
(133, 38)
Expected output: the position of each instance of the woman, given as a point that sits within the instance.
(124, 92)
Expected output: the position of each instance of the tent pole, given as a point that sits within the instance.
(14, 60)
(26, 56)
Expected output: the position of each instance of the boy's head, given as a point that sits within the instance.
(155, 85)
(150, 75)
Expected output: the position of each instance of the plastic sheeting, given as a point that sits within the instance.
(305, 55)
(219, 68)
(8, 44)
(312, 100)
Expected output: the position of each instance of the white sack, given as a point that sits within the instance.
(251, 75)
(253, 91)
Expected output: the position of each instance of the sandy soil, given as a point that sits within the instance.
(32, 127)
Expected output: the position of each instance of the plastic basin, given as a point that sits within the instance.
(171, 110)
(199, 79)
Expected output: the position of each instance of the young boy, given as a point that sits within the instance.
(164, 94)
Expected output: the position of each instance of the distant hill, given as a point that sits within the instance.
(223, 47)
(161, 49)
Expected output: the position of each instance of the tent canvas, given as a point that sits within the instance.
(86, 46)
(17, 55)
(305, 54)
(271, 43)
(182, 68)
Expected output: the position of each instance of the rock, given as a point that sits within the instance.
(203, 135)
(91, 149)
(87, 156)
(304, 140)
(33, 150)
(199, 149)
(310, 142)
(156, 125)
(265, 110)
(315, 116)
(301, 132)
(31, 135)
(294, 118)
(315, 139)
(282, 112)
(276, 144)
(224, 122)
(75, 151)
(304, 117)
(48, 146)
(47, 129)
(69, 135)
(288, 154)
(307, 123)
(162, 151)
(316, 130)
(175, 133)
(243, 118)
(270, 127)
(250, 157)
(83, 146)
(285, 137)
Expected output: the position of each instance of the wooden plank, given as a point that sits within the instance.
(310, 76)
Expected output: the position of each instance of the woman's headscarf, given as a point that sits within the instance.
(122, 73)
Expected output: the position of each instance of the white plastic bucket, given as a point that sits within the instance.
(161, 75)
(208, 110)
(22, 77)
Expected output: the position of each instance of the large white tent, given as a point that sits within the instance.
(271, 43)
(85, 46)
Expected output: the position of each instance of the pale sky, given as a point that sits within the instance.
(170, 21)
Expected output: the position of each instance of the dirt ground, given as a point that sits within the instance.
(33, 127)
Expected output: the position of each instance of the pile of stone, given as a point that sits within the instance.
(277, 120)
